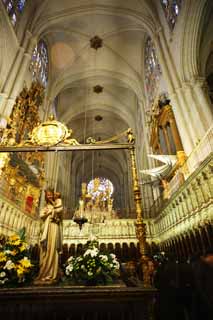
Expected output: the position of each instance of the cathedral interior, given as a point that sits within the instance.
(110, 103)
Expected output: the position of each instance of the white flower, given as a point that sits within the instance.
(69, 267)
(8, 251)
(103, 257)
(90, 273)
(70, 259)
(9, 265)
(92, 252)
(67, 272)
(3, 281)
(2, 274)
(113, 255)
(83, 267)
(116, 264)
(79, 259)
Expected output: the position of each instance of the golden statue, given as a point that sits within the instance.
(96, 184)
(130, 136)
(83, 189)
(51, 239)
(110, 205)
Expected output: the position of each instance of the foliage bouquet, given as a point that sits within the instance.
(15, 265)
(92, 267)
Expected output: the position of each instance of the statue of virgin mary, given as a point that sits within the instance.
(51, 239)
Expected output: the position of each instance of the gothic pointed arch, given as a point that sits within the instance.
(191, 64)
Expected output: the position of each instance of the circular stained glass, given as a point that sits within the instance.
(99, 186)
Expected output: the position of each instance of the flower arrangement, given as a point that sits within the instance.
(15, 265)
(92, 267)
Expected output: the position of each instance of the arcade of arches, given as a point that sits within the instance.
(101, 67)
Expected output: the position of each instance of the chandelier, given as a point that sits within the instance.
(80, 221)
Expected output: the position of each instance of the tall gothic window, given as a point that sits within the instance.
(14, 9)
(39, 63)
(171, 10)
(152, 70)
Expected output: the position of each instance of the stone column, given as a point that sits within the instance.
(175, 92)
(2, 212)
(7, 215)
(12, 75)
(16, 79)
(205, 188)
(195, 119)
(51, 169)
(203, 102)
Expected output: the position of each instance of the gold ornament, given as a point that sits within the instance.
(49, 133)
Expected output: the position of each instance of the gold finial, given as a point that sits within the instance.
(130, 136)
(51, 117)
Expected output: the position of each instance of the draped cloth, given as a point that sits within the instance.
(50, 243)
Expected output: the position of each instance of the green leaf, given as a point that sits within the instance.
(22, 233)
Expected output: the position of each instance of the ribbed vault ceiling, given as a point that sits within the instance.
(68, 26)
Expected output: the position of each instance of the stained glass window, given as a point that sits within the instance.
(152, 70)
(14, 9)
(99, 186)
(39, 63)
(171, 10)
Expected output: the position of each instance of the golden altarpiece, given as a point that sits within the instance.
(22, 174)
(96, 205)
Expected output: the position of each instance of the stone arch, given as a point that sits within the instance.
(194, 25)
(150, 23)
(114, 110)
(66, 78)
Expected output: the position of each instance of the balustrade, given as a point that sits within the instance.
(190, 207)
(201, 152)
(12, 220)
(112, 231)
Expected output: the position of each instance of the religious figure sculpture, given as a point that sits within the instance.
(51, 239)
(130, 136)
(110, 205)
